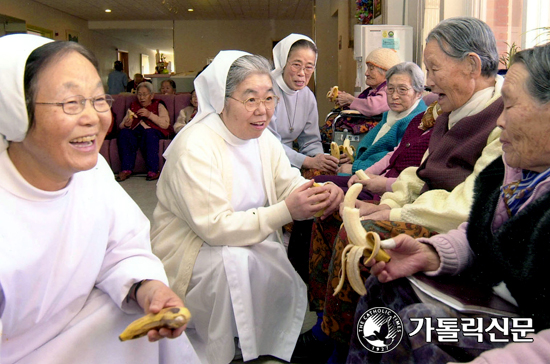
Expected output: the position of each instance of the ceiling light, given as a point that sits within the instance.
(190, 10)
(107, 10)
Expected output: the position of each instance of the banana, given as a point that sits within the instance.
(361, 243)
(361, 175)
(333, 94)
(334, 150)
(319, 213)
(132, 114)
(171, 317)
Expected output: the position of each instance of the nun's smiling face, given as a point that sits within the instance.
(241, 115)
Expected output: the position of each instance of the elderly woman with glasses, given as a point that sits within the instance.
(296, 116)
(225, 191)
(146, 122)
(75, 258)
(405, 84)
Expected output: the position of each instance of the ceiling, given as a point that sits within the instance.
(177, 9)
(147, 10)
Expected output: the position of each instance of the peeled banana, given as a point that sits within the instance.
(171, 317)
(346, 148)
(132, 114)
(320, 213)
(361, 175)
(333, 94)
(360, 242)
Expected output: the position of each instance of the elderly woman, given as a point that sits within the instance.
(296, 116)
(146, 122)
(405, 84)
(168, 87)
(75, 260)
(226, 190)
(372, 101)
(461, 58)
(187, 113)
(504, 245)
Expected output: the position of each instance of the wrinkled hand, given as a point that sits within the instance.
(345, 168)
(153, 296)
(306, 200)
(344, 159)
(407, 258)
(375, 184)
(323, 162)
(128, 118)
(335, 199)
(344, 98)
(144, 112)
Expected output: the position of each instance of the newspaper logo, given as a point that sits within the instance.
(380, 330)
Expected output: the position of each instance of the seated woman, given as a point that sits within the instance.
(168, 87)
(226, 190)
(187, 113)
(146, 122)
(296, 116)
(405, 84)
(435, 197)
(373, 100)
(504, 244)
(75, 260)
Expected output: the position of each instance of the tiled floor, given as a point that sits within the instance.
(144, 193)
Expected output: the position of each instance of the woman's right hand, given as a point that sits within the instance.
(344, 98)
(128, 118)
(408, 257)
(321, 161)
(375, 184)
(306, 200)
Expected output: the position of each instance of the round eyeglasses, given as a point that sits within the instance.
(253, 103)
(402, 91)
(297, 67)
(75, 104)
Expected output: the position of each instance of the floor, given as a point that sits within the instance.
(144, 193)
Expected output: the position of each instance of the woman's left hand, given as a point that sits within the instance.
(153, 296)
(144, 112)
(345, 168)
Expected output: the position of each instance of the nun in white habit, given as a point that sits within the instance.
(76, 265)
(296, 116)
(224, 193)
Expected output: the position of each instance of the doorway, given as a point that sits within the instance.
(123, 57)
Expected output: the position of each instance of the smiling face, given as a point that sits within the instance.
(167, 89)
(449, 77)
(59, 145)
(525, 124)
(397, 102)
(295, 74)
(246, 124)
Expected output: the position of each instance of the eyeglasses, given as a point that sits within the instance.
(402, 91)
(253, 103)
(297, 67)
(75, 104)
(143, 95)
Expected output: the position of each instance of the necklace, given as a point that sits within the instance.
(291, 123)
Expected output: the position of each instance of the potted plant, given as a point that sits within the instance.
(506, 58)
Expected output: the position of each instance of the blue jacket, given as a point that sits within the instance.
(369, 153)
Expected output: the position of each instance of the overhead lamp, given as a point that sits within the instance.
(190, 10)
(107, 10)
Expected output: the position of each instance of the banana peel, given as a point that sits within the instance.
(171, 317)
(361, 243)
(346, 148)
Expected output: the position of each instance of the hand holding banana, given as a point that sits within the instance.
(332, 94)
(346, 148)
(361, 243)
(170, 317)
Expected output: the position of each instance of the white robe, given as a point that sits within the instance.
(67, 261)
(251, 292)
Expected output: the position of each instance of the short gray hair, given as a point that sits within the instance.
(242, 68)
(411, 69)
(537, 62)
(147, 85)
(459, 36)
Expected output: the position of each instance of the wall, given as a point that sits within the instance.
(197, 40)
(104, 47)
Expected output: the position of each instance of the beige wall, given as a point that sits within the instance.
(197, 40)
(103, 47)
